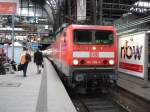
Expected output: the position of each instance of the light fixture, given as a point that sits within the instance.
(75, 61)
(94, 48)
(111, 62)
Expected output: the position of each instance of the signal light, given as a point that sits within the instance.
(105, 61)
(82, 62)
(75, 61)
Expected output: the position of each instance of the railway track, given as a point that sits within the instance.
(95, 103)
(114, 101)
(130, 102)
(101, 103)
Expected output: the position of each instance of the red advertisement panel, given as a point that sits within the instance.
(132, 67)
(8, 8)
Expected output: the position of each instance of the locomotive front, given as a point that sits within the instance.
(94, 56)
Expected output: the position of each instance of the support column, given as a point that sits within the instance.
(59, 12)
(13, 36)
(75, 10)
(146, 61)
(101, 12)
(69, 11)
(94, 12)
(69, 8)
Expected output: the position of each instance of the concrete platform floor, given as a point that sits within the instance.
(35, 93)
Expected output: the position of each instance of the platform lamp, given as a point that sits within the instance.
(13, 36)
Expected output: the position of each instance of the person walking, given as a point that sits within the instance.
(2, 69)
(38, 60)
(25, 58)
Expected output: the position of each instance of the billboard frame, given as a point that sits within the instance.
(145, 58)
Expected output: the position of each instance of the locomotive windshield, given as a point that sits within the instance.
(83, 36)
(93, 37)
(103, 37)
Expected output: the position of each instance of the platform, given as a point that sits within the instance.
(35, 93)
(135, 85)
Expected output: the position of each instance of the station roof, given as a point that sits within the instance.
(111, 8)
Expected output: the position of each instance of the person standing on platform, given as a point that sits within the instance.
(38, 60)
(2, 69)
(25, 58)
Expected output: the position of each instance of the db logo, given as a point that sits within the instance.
(94, 54)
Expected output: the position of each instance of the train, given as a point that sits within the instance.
(86, 55)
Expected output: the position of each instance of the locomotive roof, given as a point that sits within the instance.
(75, 26)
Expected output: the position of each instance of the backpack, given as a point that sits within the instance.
(22, 59)
(28, 57)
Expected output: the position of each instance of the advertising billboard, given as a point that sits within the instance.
(8, 8)
(131, 54)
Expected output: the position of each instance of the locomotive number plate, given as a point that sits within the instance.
(94, 54)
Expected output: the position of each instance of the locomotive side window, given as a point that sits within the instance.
(103, 37)
(82, 36)
(64, 34)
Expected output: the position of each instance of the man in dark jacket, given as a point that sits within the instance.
(2, 69)
(38, 59)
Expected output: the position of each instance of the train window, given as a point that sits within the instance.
(64, 36)
(104, 37)
(82, 36)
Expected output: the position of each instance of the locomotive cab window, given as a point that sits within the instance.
(103, 37)
(82, 36)
(93, 36)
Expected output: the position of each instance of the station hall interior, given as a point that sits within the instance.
(123, 54)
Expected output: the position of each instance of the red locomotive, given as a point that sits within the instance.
(86, 55)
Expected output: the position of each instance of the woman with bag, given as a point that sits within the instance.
(25, 58)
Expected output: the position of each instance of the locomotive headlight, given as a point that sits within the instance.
(111, 62)
(75, 61)
(94, 48)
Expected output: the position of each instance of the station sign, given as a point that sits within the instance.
(131, 54)
(8, 8)
(34, 45)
